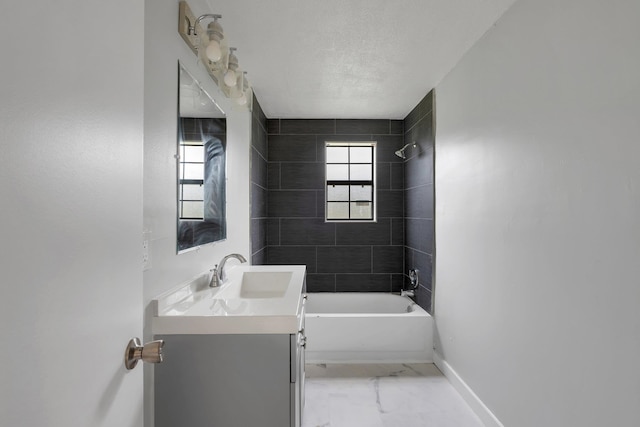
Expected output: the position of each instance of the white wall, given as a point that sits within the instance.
(71, 129)
(538, 215)
(163, 48)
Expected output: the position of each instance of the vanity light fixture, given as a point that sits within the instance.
(230, 76)
(211, 46)
(243, 85)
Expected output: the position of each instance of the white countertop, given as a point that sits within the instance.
(195, 308)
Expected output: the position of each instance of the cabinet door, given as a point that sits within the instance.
(223, 380)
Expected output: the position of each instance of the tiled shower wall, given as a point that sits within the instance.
(258, 185)
(419, 197)
(339, 256)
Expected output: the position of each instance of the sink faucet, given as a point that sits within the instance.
(218, 271)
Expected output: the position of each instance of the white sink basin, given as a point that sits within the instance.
(265, 284)
(253, 299)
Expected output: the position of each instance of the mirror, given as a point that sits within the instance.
(202, 143)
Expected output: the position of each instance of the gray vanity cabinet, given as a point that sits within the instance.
(235, 380)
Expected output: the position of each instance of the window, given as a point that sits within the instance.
(350, 172)
(191, 180)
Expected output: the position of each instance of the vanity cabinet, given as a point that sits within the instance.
(234, 355)
(229, 381)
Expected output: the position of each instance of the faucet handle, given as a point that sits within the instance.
(413, 277)
(214, 282)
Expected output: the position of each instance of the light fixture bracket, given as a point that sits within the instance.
(192, 28)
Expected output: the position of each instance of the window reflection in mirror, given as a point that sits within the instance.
(201, 166)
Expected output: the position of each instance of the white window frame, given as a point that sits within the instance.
(350, 182)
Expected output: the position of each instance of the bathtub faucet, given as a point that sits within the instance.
(413, 280)
(218, 271)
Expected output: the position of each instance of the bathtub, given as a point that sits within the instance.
(358, 327)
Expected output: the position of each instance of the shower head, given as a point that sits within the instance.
(400, 153)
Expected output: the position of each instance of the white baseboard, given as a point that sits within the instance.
(486, 416)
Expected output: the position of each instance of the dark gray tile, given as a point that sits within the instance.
(357, 126)
(424, 107)
(344, 259)
(258, 169)
(258, 234)
(368, 233)
(423, 298)
(397, 176)
(320, 204)
(363, 283)
(302, 176)
(313, 231)
(419, 202)
(396, 127)
(422, 135)
(291, 203)
(397, 282)
(273, 126)
(412, 118)
(273, 232)
(320, 151)
(258, 113)
(260, 257)
(258, 202)
(307, 126)
(383, 176)
(419, 234)
(321, 282)
(293, 255)
(292, 148)
(422, 132)
(387, 145)
(397, 231)
(258, 137)
(388, 259)
(390, 203)
(419, 170)
(273, 175)
(420, 261)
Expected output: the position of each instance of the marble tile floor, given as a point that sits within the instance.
(383, 395)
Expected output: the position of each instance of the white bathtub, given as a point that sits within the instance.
(357, 327)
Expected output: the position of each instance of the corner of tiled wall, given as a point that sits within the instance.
(419, 198)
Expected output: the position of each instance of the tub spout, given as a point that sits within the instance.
(409, 294)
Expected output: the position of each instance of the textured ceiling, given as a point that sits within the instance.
(350, 58)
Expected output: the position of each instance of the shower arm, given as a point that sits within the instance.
(400, 152)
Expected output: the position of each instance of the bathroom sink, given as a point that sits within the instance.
(265, 284)
(253, 299)
(256, 285)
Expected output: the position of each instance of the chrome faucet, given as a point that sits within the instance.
(413, 279)
(218, 271)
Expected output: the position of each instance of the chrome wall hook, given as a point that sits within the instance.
(151, 352)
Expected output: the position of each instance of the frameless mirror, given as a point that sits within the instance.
(202, 143)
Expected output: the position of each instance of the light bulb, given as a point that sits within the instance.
(213, 51)
(230, 78)
(214, 31)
